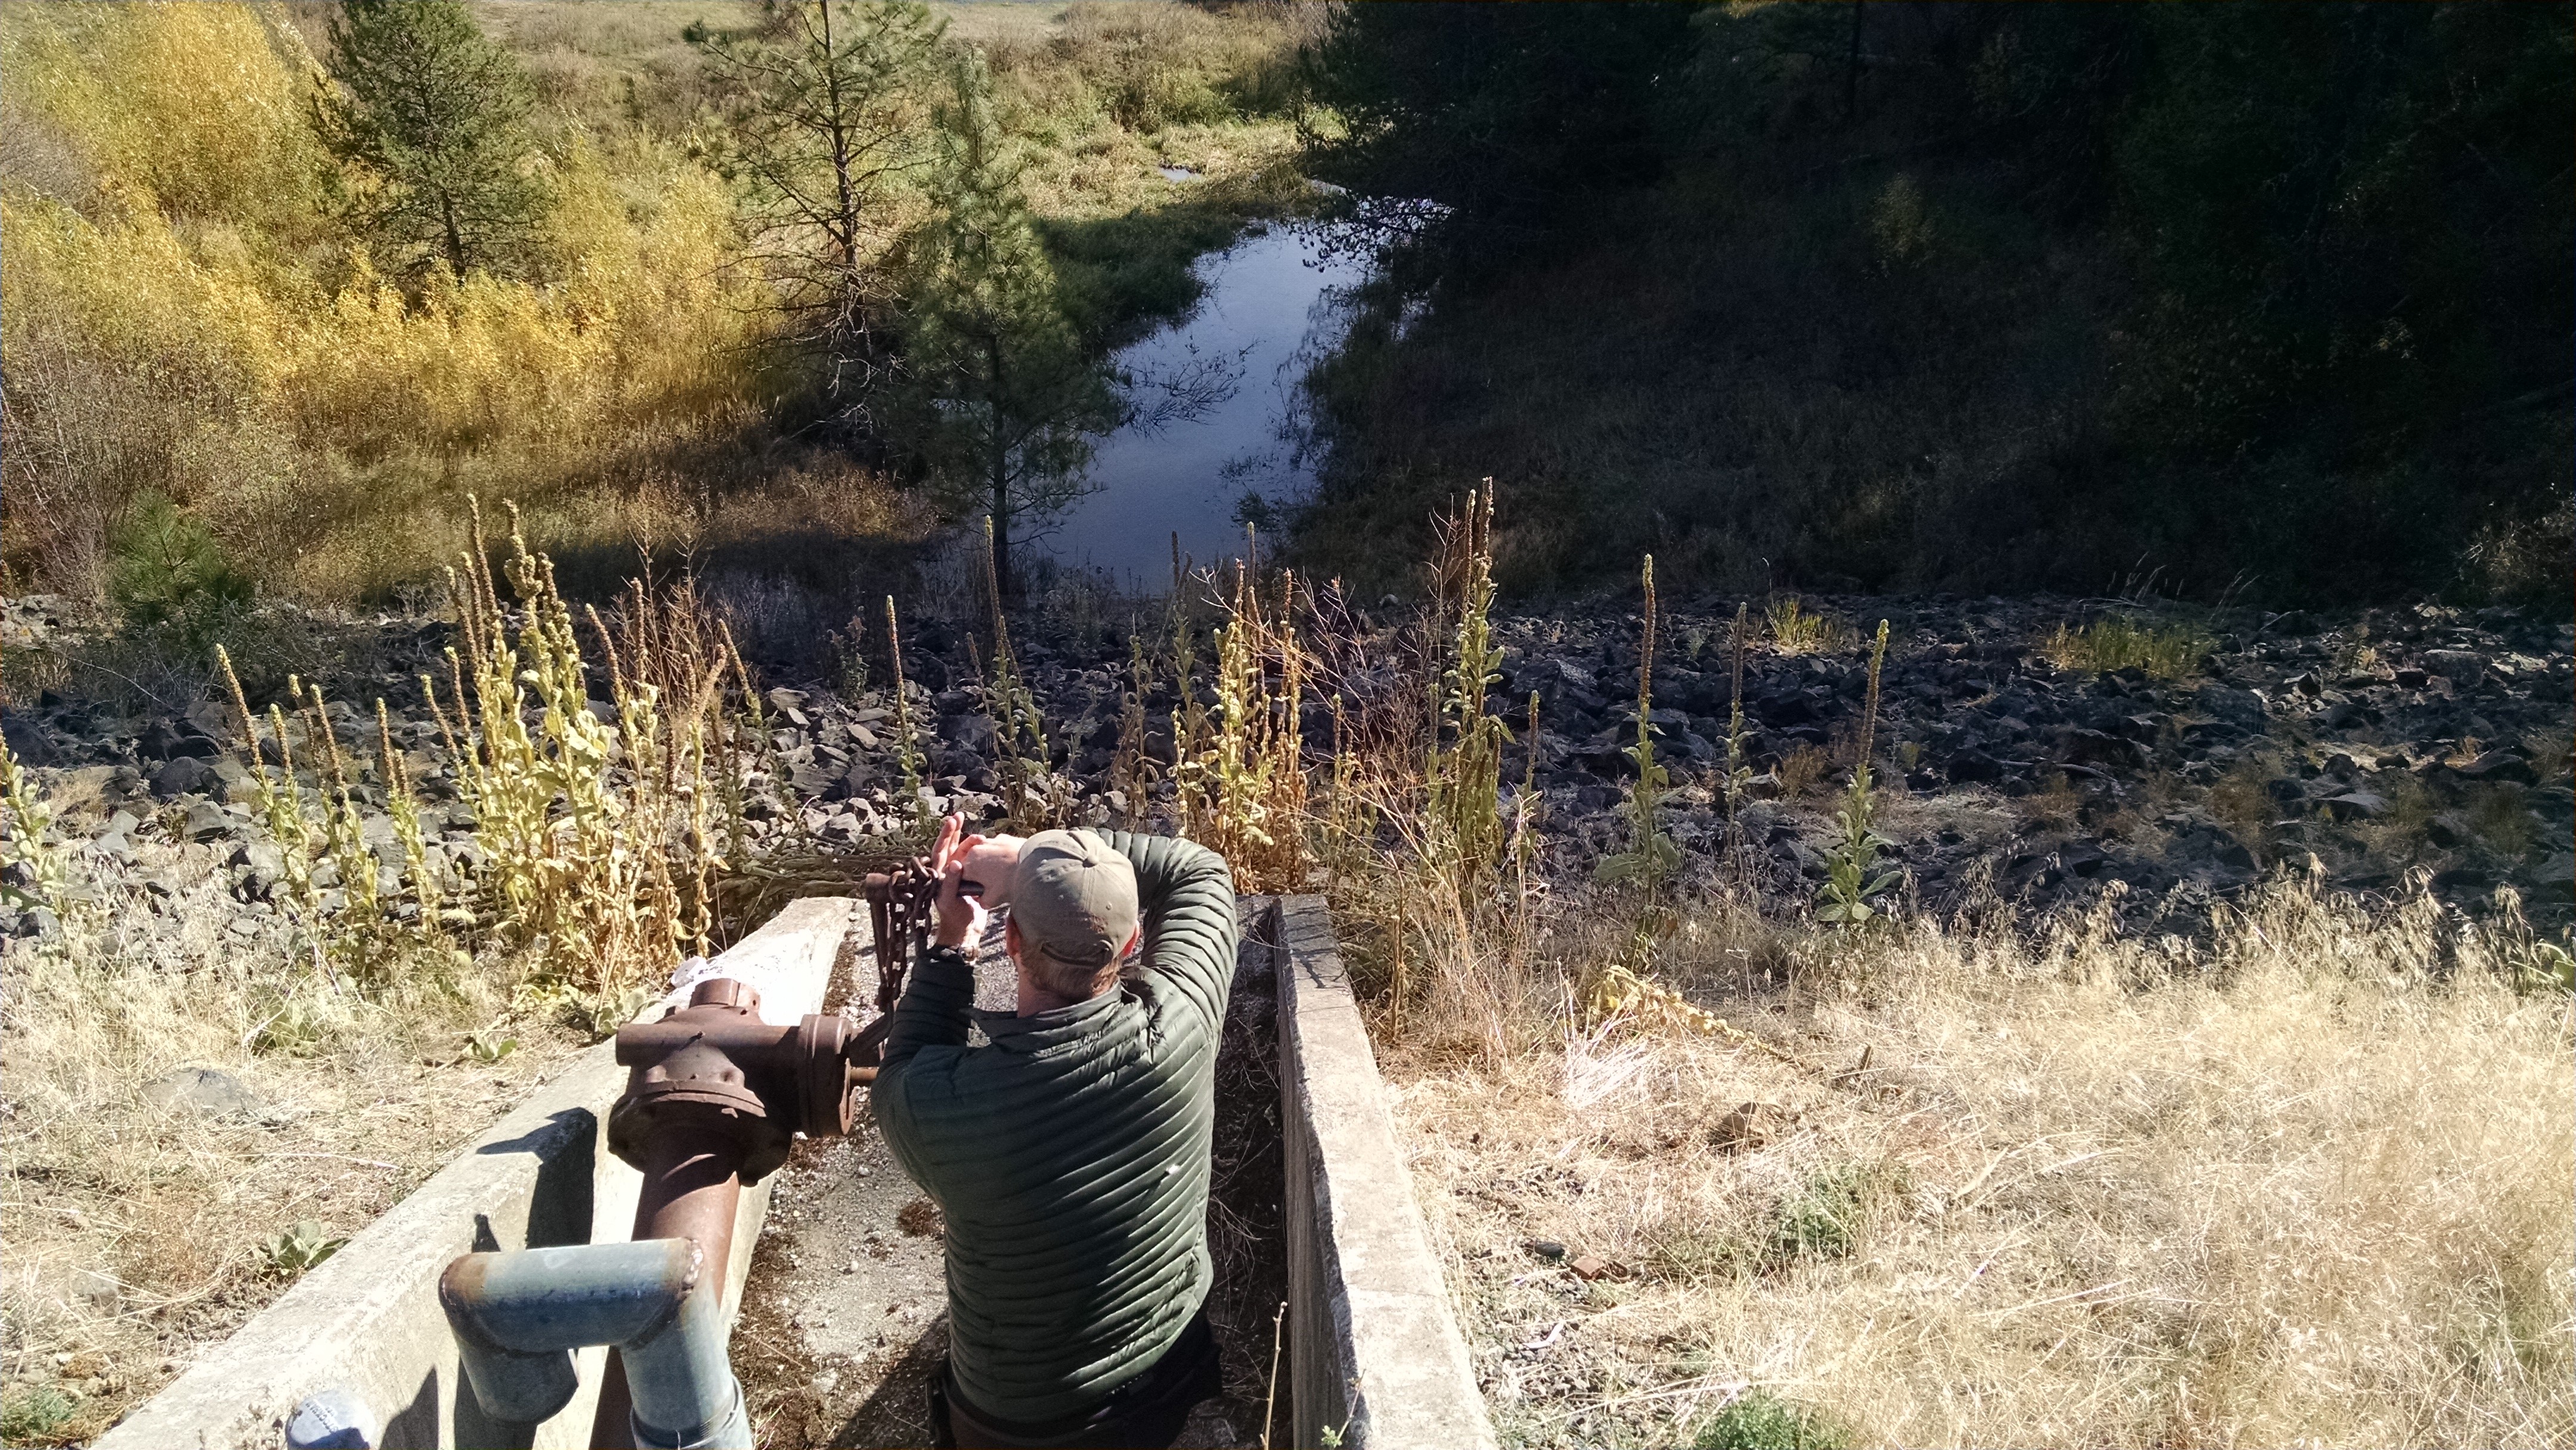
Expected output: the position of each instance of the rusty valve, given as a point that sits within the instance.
(714, 1071)
(714, 1066)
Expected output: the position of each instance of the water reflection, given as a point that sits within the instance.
(1269, 299)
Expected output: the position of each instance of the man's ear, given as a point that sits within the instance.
(1011, 937)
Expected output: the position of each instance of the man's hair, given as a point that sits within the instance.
(1065, 979)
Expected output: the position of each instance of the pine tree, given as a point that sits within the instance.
(825, 111)
(1004, 397)
(429, 120)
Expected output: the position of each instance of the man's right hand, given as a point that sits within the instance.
(991, 862)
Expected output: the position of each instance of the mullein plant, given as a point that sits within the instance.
(1249, 781)
(46, 864)
(1350, 822)
(907, 738)
(404, 810)
(280, 801)
(1465, 779)
(1525, 841)
(1132, 772)
(1189, 714)
(1019, 727)
(1739, 774)
(343, 824)
(1852, 864)
(1651, 860)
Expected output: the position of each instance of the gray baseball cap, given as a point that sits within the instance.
(1074, 898)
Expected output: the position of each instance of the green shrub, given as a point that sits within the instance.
(292, 1251)
(1763, 1421)
(2164, 651)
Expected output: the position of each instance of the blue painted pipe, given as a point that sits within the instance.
(519, 1316)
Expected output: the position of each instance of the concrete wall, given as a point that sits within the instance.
(1374, 1353)
(367, 1322)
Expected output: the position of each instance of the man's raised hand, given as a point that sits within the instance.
(961, 916)
(991, 862)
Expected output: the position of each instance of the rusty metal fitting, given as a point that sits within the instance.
(714, 1066)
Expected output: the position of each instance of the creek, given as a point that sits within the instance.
(1267, 309)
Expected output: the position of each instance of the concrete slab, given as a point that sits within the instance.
(846, 1309)
(367, 1323)
(1374, 1351)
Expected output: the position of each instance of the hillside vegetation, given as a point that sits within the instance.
(2270, 298)
(198, 315)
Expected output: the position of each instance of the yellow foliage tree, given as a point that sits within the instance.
(175, 328)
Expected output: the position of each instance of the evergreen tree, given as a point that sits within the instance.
(1004, 399)
(824, 126)
(431, 118)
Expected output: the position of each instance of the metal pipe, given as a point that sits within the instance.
(692, 1190)
(518, 1317)
(682, 1382)
(713, 1097)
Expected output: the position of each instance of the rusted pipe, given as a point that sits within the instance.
(692, 1191)
(714, 1096)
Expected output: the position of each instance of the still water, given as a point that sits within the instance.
(1267, 309)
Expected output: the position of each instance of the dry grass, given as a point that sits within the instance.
(363, 1101)
(2162, 651)
(1800, 769)
(2297, 1187)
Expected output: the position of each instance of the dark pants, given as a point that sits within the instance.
(1145, 1413)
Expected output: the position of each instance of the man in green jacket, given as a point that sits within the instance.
(1068, 1155)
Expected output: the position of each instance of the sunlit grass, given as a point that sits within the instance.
(2116, 642)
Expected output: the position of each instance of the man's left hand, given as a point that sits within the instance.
(961, 917)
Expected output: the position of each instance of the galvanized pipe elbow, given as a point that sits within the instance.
(518, 1316)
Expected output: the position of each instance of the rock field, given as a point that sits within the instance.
(2424, 737)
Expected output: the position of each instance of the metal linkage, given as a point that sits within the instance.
(899, 908)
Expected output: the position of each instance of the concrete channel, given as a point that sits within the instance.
(836, 1275)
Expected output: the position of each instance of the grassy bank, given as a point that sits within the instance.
(142, 1224)
(1719, 1149)
(1990, 1185)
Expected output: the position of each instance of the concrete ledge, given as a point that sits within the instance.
(368, 1324)
(1374, 1353)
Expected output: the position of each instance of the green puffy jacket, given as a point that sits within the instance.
(1070, 1155)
